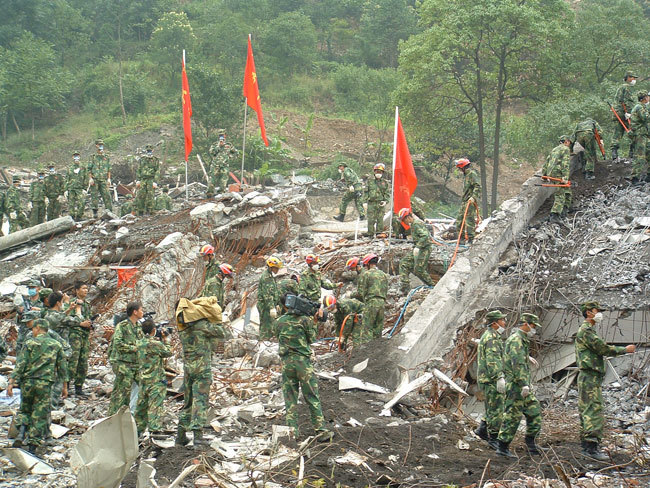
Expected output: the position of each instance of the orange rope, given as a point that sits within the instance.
(341, 333)
(460, 231)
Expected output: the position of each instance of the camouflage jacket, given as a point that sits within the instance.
(490, 357)
(420, 235)
(639, 120)
(623, 101)
(12, 200)
(3, 198)
(76, 178)
(211, 269)
(163, 202)
(4, 349)
(587, 125)
(214, 288)
(471, 186)
(346, 307)
(76, 319)
(99, 166)
(41, 359)
(287, 286)
(591, 349)
(59, 321)
(295, 334)
(515, 358)
(37, 191)
(311, 282)
(373, 283)
(197, 350)
(127, 208)
(558, 163)
(149, 168)
(378, 190)
(267, 290)
(350, 178)
(124, 346)
(151, 355)
(54, 185)
(67, 353)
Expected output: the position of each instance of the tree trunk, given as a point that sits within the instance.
(13, 118)
(119, 60)
(4, 126)
(33, 136)
(481, 137)
(497, 128)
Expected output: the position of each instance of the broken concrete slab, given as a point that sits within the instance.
(27, 462)
(46, 229)
(349, 383)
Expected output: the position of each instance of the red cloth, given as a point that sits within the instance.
(187, 114)
(252, 92)
(404, 177)
(125, 275)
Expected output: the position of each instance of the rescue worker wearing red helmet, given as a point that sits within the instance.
(214, 287)
(373, 289)
(211, 264)
(352, 270)
(471, 192)
(311, 280)
(416, 262)
(377, 194)
(268, 297)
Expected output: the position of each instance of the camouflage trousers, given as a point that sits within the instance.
(266, 323)
(561, 200)
(125, 375)
(150, 409)
(399, 231)
(57, 390)
(198, 379)
(297, 374)
(419, 268)
(375, 218)
(618, 134)
(493, 407)
(19, 223)
(590, 406)
(348, 197)
(513, 408)
(78, 362)
(76, 204)
(641, 166)
(469, 229)
(218, 179)
(588, 141)
(373, 320)
(35, 407)
(100, 188)
(145, 200)
(37, 215)
(24, 333)
(53, 208)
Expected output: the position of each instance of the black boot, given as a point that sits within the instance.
(615, 155)
(181, 437)
(20, 438)
(199, 440)
(554, 218)
(590, 449)
(79, 393)
(493, 441)
(533, 449)
(340, 218)
(503, 449)
(481, 431)
(589, 175)
(94, 213)
(362, 217)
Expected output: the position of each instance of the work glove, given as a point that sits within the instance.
(65, 194)
(416, 252)
(627, 116)
(533, 361)
(60, 199)
(351, 188)
(91, 182)
(155, 185)
(501, 385)
(525, 391)
(382, 203)
(13, 215)
(274, 313)
(85, 193)
(137, 184)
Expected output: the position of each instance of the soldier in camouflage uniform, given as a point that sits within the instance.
(416, 262)
(354, 192)
(346, 307)
(585, 135)
(418, 209)
(373, 289)
(491, 377)
(59, 327)
(218, 168)
(590, 352)
(471, 196)
(37, 199)
(214, 287)
(640, 133)
(520, 398)
(127, 206)
(41, 364)
(378, 194)
(124, 356)
(623, 103)
(164, 201)
(289, 285)
(211, 263)
(14, 207)
(54, 188)
(268, 297)
(153, 381)
(4, 349)
(80, 314)
(99, 178)
(25, 304)
(558, 165)
(295, 334)
(75, 184)
(148, 172)
(311, 280)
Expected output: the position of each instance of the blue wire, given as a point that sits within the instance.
(408, 299)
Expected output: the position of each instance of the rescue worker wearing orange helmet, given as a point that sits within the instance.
(211, 264)
(471, 191)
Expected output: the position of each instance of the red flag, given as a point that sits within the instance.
(251, 90)
(404, 179)
(187, 113)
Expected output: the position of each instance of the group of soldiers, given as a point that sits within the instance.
(52, 351)
(631, 116)
(504, 379)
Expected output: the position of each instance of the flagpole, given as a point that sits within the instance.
(392, 187)
(243, 148)
(187, 190)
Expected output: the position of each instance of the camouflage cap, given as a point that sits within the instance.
(99, 141)
(342, 163)
(34, 284)
(42, 323)
(589, 305)
(50, 164)
(148, 147)
(631, 74)
(31, 315)
(530, 318)
(494, 315)
(641, 95)
(44, 293)
(76, 153)
(165, 189)
(15, 178)
(41, 169)
(564, 137)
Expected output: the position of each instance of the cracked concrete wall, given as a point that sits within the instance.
(432, 329)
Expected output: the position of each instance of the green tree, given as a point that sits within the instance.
(172, 34)
(290, 54)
